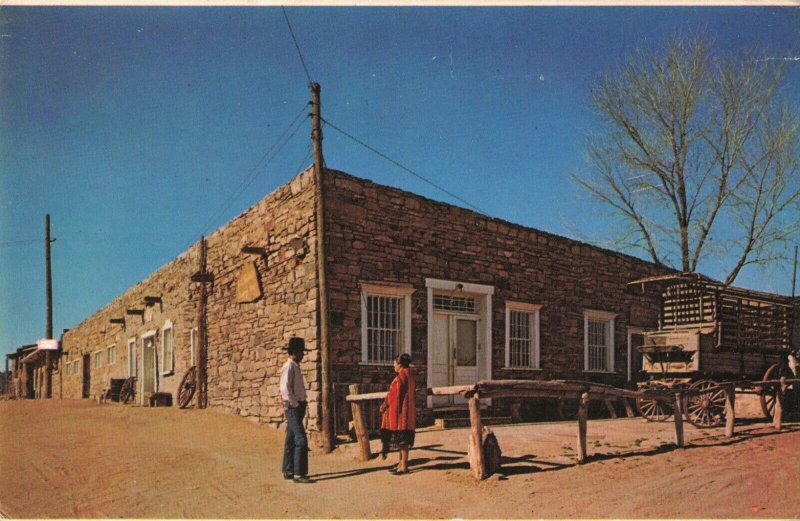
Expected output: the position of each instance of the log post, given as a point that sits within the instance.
(360, 425)
(678, 408)
(628, 408)
(777, 413)
(583, 414)
(475, 450)
(730, 409)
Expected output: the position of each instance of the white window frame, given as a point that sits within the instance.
(77, 367)
(98, 359)
(111, 350)
(68, 368)
(132, 369)
(385, 290)
(605, 316)
(533, 311)
(193, 345)
(164, 369)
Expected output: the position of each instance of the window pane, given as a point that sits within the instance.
(383, 328)
(520, 342)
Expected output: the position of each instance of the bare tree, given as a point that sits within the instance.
(699, 156)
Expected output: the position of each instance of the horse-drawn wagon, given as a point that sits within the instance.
(708, 333)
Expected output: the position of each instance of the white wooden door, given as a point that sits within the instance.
(441, 359)
(148, 366)
(465, 352)
(454, 358)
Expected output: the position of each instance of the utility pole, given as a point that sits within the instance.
(322, 308)
(48, 382)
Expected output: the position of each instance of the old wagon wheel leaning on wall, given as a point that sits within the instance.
(769, 394)
(705, 409)
(128, 390)
(186, 388)
(654, 410)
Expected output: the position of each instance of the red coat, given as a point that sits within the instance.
(401, 414)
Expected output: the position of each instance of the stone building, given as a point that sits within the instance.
(470, 297)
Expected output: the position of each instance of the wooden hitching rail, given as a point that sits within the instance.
(584, 392)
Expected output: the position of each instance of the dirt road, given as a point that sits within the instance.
(79, 459)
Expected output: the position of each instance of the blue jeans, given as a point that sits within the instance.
(295, 449)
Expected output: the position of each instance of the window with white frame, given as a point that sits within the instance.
(385, 322)
(167, 352)
(67, 368)
(98, 359)
(193, 344)
(522, 335)
(598, 335)
(76, 366)
(132, 357)
(111, 355)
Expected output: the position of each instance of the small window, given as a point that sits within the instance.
(598, 337)
(167, 354)
(76, 366)
(522, 335)
(67, 368)
(98, 359)
(111, 355)
(385, 323)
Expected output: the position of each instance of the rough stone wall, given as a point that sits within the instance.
(380, 234)
(97, 333)
(246, 341)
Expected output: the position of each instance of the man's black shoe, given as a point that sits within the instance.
(288, 476)
(303, 479)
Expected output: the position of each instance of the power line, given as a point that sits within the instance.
(296, 46)
(265, 159)
(400, 165)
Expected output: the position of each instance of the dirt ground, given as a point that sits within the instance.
(71, 459)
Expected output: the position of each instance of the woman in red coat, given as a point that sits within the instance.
(399, 416)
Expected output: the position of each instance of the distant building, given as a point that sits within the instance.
(470, 297)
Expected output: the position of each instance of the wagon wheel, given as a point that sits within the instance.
(770, 393)
(654, 410)
(704, 410)
(128, 390)
(186, 388)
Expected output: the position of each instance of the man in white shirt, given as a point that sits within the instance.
(293, 393)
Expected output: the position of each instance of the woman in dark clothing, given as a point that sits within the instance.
(398, 419)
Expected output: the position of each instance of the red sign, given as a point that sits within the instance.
(48, 344)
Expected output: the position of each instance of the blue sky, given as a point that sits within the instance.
(135, 128)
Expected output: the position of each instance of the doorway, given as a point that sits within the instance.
(87, 376)
(455, 353)
(459, 336)
(149, 374)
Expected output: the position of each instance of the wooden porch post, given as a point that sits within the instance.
(476, 463)
(583, 415)
(730, 409)
(777, 413)
(678, 407)
(359, 424)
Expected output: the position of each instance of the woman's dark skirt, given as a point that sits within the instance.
(392, 440)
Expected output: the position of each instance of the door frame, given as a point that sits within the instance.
(484, 316)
